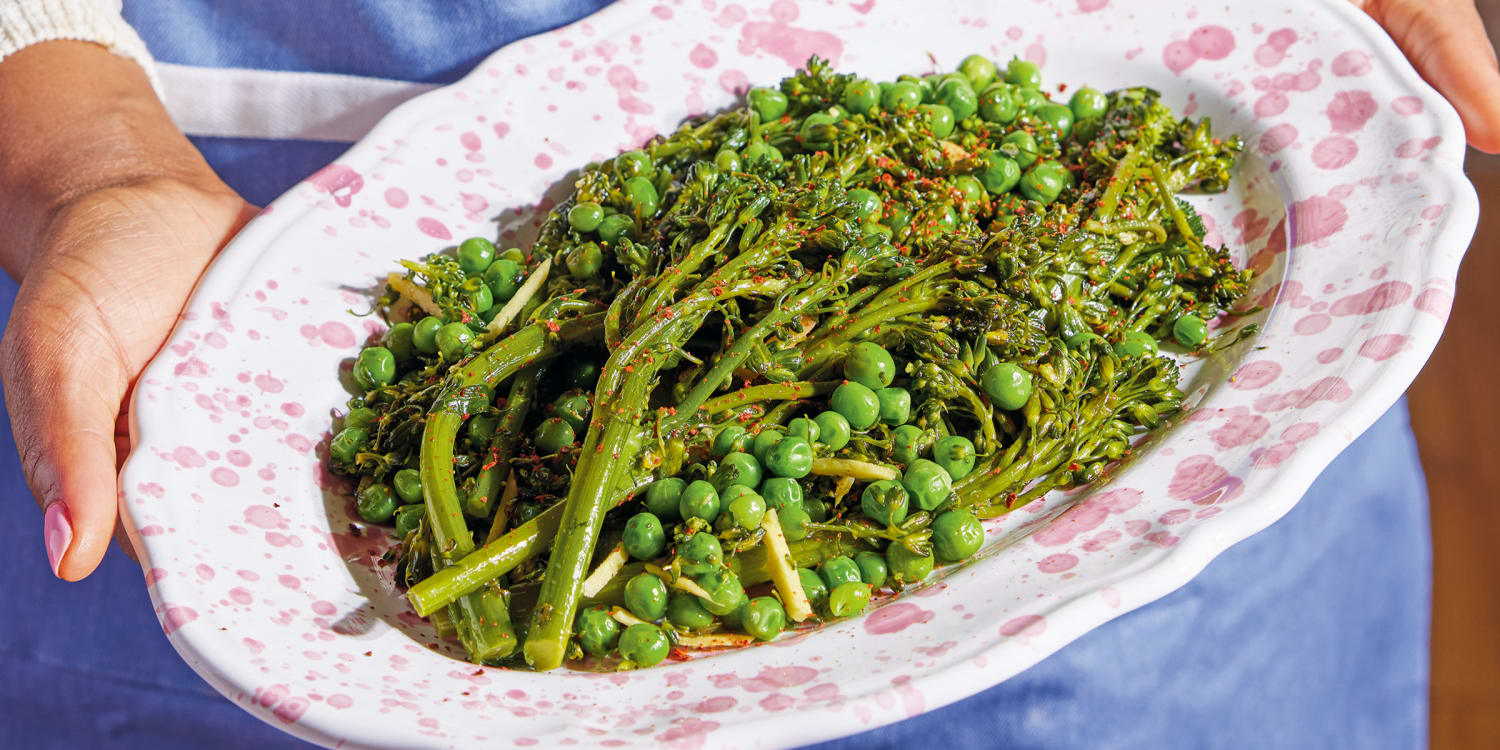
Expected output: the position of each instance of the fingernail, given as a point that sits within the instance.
(57, 530)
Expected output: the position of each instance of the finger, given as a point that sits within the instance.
(63, 389)
(1446, 42)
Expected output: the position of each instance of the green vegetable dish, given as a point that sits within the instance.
(783, 361)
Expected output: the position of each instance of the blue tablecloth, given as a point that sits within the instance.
(1310, 634)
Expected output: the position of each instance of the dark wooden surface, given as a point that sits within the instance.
(1455, 412)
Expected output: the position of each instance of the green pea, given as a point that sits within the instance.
(644, 538)
(699, 500)
(833, 429)
(408, 483)
(552, 435)
(1044, 182)
(870, 365)
(481, 430)
(525, 510)
(735, 618)
(644, 644)
(475, 255)
(633, 163)
(837, 571)
(348, 443)
(956, 535)
(573, 407)
(477, 296)
(817, 129)
(1136, 344)
(861, 95)
(375, 367)
(872, 569)
(1190, 330)
(895, 405)
(764, 618)
(734, 492)
(816, 509)
(1059, 116)
(513, 254)
(970, 190)
(770, 104)
(727, 160)
(958, 96)
(399, 341)
(897, 216)
(1000, 174)
(1031, 100)
(955, 453)
(597, 631)
(849, 599)
(857, 403)
(686, 612)
(764, 440)
(646, 596)
(900, 94)
(939, 119)
(642, 195)
(737, 468)
(906, 443)
(1025, 145)
(731, 439)
(585, 261)
(790, 457)
(376, 503)
(361, 417)
(794, 521)
(946, 219)
(700, 553)
(1087, 103)
(725, 594)
(864, 204)
(884, 502)
(408, 517)
(748, 510)
(812, 585)
(998, 105)
(1008, 385)
(762, 153)
(779, 492)
(454, 339)
(580, 373)
(503, 277)
(978, 69)
(804, 428)
(664, 496)
(928, 484)
(906, 566)
(615, 226)
(1023, 73)
(585, 216)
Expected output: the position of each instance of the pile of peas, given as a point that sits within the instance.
(770, 469)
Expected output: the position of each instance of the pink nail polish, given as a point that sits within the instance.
(57, 530)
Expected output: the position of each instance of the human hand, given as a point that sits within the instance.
(1446, 42)
(111, 219)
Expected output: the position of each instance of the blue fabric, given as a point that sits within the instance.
(1310, 634)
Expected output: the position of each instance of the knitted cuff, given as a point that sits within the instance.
(27, 22)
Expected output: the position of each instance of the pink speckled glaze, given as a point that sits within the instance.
(1350, 200)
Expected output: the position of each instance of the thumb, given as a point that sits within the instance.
(1446, 42)
(64, 384)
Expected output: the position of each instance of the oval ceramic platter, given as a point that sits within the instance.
(1349, 200)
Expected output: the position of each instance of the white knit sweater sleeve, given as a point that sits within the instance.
(27, 22)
